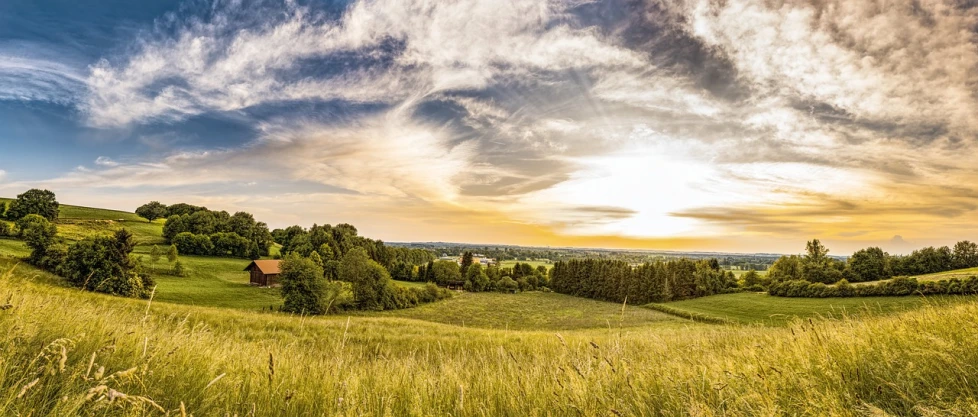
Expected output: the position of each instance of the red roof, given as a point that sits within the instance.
(267, 267)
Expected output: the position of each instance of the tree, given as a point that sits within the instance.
(965, 254)
(466, 261)
(179, 270)
(40, 202)
(786, 268)
(477, 278)
(104, 264)
(172, 253)
(369, 279)
(303, 285)
(869, 264)
(38, 233)
(444, 272)
(752, 278)
(155, 254)
(152, 211)
(315, 258)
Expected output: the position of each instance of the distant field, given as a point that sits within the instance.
(534, 264)
(937, 276)
(764, 309)
(738, 272)
(532, 311)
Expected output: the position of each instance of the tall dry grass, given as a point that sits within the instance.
(64, 352)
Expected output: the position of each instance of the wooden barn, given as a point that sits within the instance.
(264, 273)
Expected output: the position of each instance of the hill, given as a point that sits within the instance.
(90, 354)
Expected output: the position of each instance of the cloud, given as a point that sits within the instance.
(902, 62)
(401, 50)
(25, 78)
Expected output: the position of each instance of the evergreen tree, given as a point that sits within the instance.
(466, 261)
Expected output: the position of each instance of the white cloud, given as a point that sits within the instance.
(896, 61)
(216, 65)
(37, 79)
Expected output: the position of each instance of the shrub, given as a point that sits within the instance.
(4, 229)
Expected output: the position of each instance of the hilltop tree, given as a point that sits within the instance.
(466, 261)
(152, 211)
(39, 202)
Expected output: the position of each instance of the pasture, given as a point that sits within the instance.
(760, 308)
(535, 263)
(91, 354)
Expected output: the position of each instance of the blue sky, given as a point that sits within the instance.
(678, 124)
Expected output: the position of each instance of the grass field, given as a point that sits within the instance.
(532, 311)
(88, 354)
(738, 272)
(534, 264)
(750, 308)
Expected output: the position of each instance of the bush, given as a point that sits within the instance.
(5, 229)
(103, 264)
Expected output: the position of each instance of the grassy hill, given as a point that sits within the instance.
(89, 354)
(208, 344)
(759, 308)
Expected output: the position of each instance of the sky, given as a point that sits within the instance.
(735, 125)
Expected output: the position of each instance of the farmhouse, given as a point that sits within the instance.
(264, 273)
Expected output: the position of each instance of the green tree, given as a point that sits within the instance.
(152, 211)
(477, 278)
(868, 264)
(315, 258)
(303, 285)
(172, 254)
(38, 233)
(752, 278)
(103, 264)
(466, 261)
(965, 254)
(179, 270)
(370, 280)
(155, 254)
(444, 272)
(39, 202)
(786, 268)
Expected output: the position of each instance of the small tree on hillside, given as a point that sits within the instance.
(476, 279)
(152, 211)
(40, 202)
(155, 254)
(38, 233)
(179, 270)
(172, 254)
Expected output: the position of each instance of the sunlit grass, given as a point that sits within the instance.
(65, 352)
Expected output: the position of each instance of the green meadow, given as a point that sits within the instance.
(211, 344)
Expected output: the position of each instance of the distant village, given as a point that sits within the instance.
(476, 259)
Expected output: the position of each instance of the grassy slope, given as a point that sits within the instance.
(530, 311)
(768, 310)
(72, 348)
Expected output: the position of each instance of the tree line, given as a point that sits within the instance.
(870, 264)
(475, 277)
(196, 230)
(659, 281)
(898, 286)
